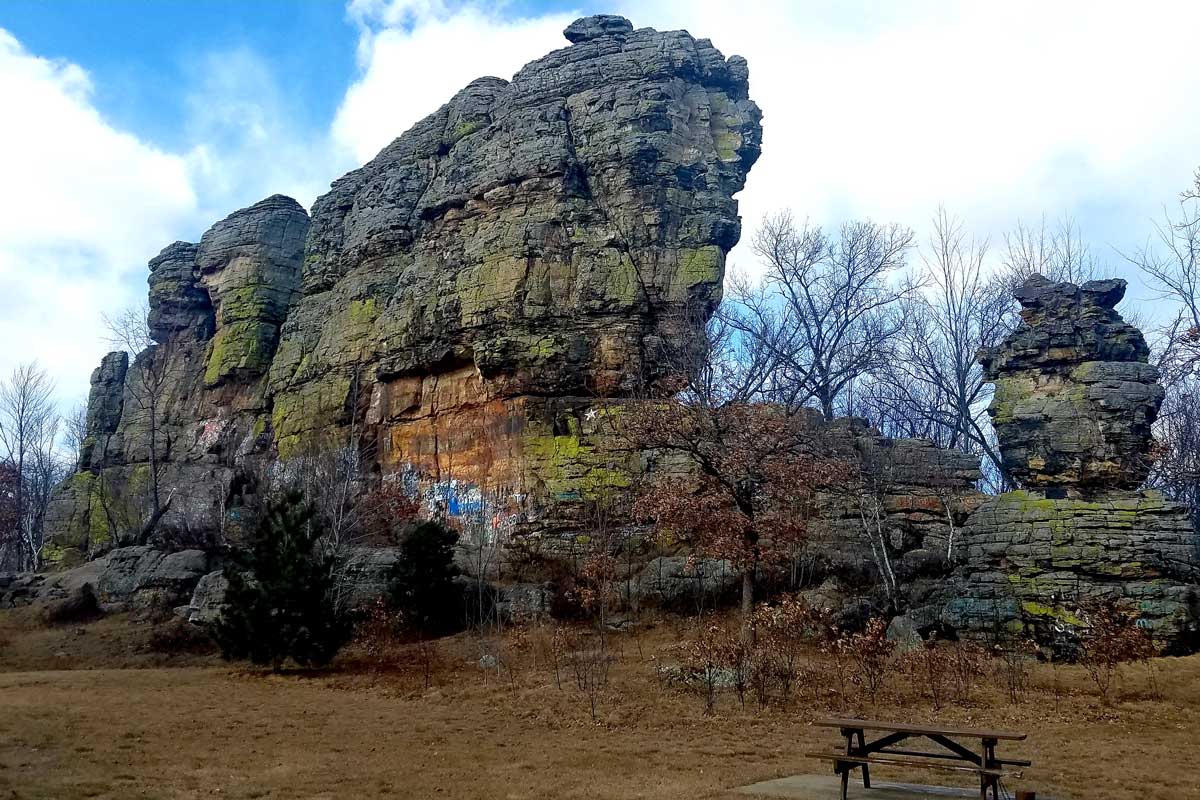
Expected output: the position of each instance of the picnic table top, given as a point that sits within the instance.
(920, 730)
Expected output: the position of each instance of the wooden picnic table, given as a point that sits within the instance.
(858, 753)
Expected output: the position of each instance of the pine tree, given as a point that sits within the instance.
(280, 601)
(424, 590)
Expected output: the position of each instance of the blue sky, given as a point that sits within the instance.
(141, 53)
(132, 124)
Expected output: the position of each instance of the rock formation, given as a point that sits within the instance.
(1075, 399)
(452, 309)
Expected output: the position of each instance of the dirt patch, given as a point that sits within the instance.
(357, 732)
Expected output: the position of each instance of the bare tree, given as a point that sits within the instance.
(752, 468)
(74, 431)
(1057, 252)
(828, 307)
(935, 381)
(28, 435)
(875, 481)
(1170, 260)
(146, 384)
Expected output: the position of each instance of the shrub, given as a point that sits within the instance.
(870, 652)
(379, 628)
(967, 664)
(714, 657)
(423, 588)
(782, 630)
(180, 636)
(1110, 639)
(280, 601)
(1015, 654)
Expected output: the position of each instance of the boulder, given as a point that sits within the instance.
(526, 602)
(208, 599)
(364, 573)
(1075, 395)
(902, 632)
(145, 577)
(682, 583)
(1074, 404)
(424, 304)
(80, 606)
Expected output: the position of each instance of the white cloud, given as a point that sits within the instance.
(248, 143)
(415, 54)
(997, 110)
(84, 206)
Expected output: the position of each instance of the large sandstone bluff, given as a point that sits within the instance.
(1074, 403)
(453, 309)
(466, 314)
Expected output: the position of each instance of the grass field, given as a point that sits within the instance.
(93, 712)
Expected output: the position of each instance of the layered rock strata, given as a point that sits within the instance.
(451, 311)
(1074, 404)
(1075, 395)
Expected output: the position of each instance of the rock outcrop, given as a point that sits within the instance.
(1075, 399)
(451, 311)
(1075, 395)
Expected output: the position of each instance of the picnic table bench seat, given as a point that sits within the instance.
(858, 753)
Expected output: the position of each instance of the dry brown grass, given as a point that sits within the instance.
(360, 731)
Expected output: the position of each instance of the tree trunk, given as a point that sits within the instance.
(747, 605)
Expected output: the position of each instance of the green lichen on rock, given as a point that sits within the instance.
(465, 129)
(528, 241)
(363, 312)
(241, 347)
(696, 267)
(575, 466)
(304, 417)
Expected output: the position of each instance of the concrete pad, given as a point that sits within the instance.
(828, 787)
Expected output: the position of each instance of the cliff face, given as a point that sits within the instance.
(452, 309)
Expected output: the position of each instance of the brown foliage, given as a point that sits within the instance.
(713, 655)
(783, 631)
(385, 511)
(757, 471)
(1112, 638)
(869, 652)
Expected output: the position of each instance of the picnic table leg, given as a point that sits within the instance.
(866, 770)
(845, 765)
(988, 761)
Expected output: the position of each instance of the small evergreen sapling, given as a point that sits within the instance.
(423, 588)
(280, 601)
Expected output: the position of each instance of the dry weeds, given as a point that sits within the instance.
(208, 730)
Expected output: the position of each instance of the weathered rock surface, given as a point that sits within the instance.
(452, 309)
(1074, 403)
(1030, 559)
(145, 577)
(208, 599)
(364, 573)
(680, 583)
(1075, 397)
(925, 494)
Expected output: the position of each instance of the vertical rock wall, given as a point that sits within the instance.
(455, 310)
